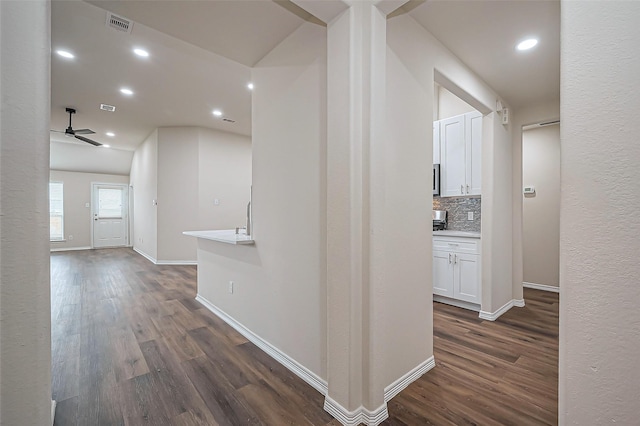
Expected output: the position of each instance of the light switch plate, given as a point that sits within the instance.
(469, 215)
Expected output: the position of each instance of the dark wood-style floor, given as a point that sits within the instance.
(130, 345)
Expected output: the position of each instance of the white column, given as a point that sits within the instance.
(356, 108)
(25, 325)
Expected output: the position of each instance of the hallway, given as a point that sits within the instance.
(130, 345)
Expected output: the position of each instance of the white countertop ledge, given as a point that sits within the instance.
(227, 236)
(447, 233)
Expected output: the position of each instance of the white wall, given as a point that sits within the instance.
(77, 217)
(177, 192)
(531, 114)
(25, 303)
(406, 323)
(599, 225)
(90, 159)
(541, 211)
(449, 105)
(144, 179)
(279, 291)
(224, 173)
(427, 59)
(185, 169)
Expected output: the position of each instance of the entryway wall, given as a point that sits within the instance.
(76, 196)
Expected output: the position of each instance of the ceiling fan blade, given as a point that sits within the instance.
(87, 140)
(83, 131)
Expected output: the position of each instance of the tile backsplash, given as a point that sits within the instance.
(457, 209)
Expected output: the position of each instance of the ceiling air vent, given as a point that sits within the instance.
(119, 23)
(228, 120)
(106, 107)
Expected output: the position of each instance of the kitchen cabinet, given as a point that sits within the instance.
(456, 268)
(460, 155)
(436, 142)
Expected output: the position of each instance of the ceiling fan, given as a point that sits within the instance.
(70, 132)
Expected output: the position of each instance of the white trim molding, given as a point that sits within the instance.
(492, 316)
(177, 262)
(356, 417)
(399, 385)
(542, 287)
(377, 416)
(53, 411)
(69, 248)
(518, 303)
(457, 303)
(294, 366)
(164, 262)
(145, 255)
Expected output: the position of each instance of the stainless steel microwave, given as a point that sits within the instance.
(436, 179)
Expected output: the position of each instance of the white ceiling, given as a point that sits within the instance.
(203, 59)
(178, 85)
(483, 34)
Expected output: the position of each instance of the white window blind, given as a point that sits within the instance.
(56, 212)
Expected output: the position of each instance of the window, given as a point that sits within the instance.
(110, 203)
(56, 212)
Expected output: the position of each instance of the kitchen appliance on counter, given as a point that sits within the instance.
(439, 220)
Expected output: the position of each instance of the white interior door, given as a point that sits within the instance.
(110, 215)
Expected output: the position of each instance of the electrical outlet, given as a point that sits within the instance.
(469, 215)
(230, 287)
(70, 237)
(86, 205)
(216, 202)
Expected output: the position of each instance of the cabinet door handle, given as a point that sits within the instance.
(462, 189)
(467, 189)
(453, 244)
(455, 258)
(449, 257)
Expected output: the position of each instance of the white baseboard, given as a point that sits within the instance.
(518, 303)
(69, 248)
(457, 303)
(145, 255)
(53, 411)
(164, 262)
(356, 417)
(399, 385)
(294, 366)
(542, 287)
(377, 416)
(492, 316)
(176, 262)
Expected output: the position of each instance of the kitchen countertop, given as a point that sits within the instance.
(227, 236)
(451, 233)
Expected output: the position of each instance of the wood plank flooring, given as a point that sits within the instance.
(131, 346)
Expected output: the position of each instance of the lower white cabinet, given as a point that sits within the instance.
(456, 268)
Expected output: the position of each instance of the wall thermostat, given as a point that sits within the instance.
(529, 190)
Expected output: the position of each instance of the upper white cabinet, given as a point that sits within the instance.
(460, 154)
(436, 142)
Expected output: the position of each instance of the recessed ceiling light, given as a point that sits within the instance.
(250, 86)
(110, 134)
(217, 112)
(527, 44)
(141, 52)
(126, 91)
(65, 54)
(106, 146)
